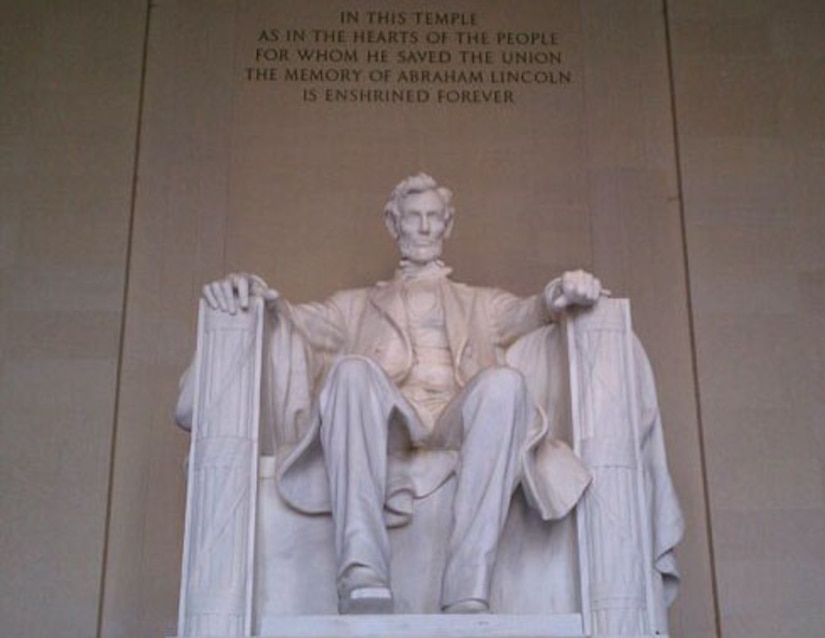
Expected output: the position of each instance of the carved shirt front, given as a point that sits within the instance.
(430, 384)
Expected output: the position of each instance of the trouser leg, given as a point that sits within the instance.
(355, 403)
(495, 413)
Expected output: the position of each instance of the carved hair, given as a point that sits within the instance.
(412, 185)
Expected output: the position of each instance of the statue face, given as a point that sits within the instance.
(422, 227)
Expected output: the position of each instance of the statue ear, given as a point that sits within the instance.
(449, 227)
(391, 223)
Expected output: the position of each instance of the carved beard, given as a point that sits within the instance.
(420, 250)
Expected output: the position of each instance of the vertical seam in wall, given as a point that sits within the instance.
(122, 336)
(584, 139)
(230, 146)
(691, 322)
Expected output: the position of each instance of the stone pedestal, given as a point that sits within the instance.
(433, 626)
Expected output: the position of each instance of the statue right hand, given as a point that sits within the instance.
(233, 292)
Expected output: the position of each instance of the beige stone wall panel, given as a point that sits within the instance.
(69, 108)
(749, 91)
(233, 176)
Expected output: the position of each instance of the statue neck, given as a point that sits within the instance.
(411, 270)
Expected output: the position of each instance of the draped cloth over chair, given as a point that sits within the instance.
(625, 537)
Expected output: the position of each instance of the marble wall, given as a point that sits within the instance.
(96, 314)
(750, 93)
(69, 110)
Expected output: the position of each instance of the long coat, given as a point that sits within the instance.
(480, 322)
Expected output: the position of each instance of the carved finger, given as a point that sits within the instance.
(210, 297)
(586, 290)
(568, 285)
(220, 297)
(242, 284)
(270, 296)
(229, 296)
(560, 302)
(257, 286)
(596, 289)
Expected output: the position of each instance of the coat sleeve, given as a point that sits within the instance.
(321, 324)
(513, 317)
(303, 342)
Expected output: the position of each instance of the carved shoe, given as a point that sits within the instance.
(469, 606)
(361, 591)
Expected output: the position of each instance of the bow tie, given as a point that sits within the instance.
(433, 269)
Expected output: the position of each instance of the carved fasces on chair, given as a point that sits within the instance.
(217, 575)
(614, 537)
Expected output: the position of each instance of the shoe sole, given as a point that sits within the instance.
(366, 600)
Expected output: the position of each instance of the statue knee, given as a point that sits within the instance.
(352, 370)
(352, 398)
(502, 384)
(499, 397)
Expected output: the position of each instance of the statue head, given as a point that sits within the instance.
(419, 217)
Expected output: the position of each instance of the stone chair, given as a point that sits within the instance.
(252, 566)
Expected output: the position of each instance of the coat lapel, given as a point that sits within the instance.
(387, 300)
(456, 316)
